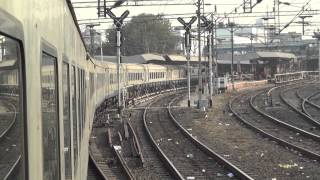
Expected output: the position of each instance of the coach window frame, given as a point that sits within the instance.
(22, 100)
(50, 50)
(15, 32)
(75, 120)
(66, 61)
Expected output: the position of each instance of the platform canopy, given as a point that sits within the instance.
(263, 55)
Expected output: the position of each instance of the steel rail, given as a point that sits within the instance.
(284, 124)
(12, 169)
(222, 161)
(174, 171)
(136, 143)
(305, 100)
(263, 133)
(123, 164)
(98, 169)
(12, 122)
(305, 116)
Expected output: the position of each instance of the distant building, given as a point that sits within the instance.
(87, 38)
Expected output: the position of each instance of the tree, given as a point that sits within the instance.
(145, 33)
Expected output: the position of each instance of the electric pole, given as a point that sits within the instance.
(303, 22)
(200, 91)
(214, 51)
(231, 24)
(92, 35)
(209, 27)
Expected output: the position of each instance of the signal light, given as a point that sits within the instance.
(193, 19)
(181, 21)
(124, 15)
(110, 13)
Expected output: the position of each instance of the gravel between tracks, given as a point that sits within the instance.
(153, 168)
(259, 157)
(284, 113)
(187, 158)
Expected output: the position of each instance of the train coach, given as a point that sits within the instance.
(46, 73)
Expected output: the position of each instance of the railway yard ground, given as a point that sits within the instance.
(256, 134)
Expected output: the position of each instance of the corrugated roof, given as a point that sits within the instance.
(280, 55)
(234, 62)
(183, 58)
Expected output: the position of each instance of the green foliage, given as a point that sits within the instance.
(145, 33)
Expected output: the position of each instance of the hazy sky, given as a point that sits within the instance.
(223, 6)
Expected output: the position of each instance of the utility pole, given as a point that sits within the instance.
(214, 51)
(209, 27)
(118, 22)
(303, 17)
(200, 86)
(101, 49)
(187, 27)
(231, 24)
(92, 34)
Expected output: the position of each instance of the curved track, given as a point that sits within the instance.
(8, 116)
(186, 158)
(104, 157)
(94, 172)
(151, 160)
(284, 115)
(308, 107)
(292, 99)
(9, 140)
(242, 107)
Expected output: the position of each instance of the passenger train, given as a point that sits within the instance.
(55, 88)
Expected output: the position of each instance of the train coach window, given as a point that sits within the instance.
(67, 121)
(50, 119)
(74, 116)
(11, 110)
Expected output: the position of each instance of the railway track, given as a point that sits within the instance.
(153, 167)
(284, 115)
(243, 108)
(314, 100)
(104, 157)
(9, 141)
(298, 105)
(145, 165)
(8, 116)
(94, 171)
(308, 107)
(185, 158)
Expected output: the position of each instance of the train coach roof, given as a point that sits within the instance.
(136, 59)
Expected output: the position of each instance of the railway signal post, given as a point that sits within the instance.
(118, 22)
(187, 43)
(209, 27)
